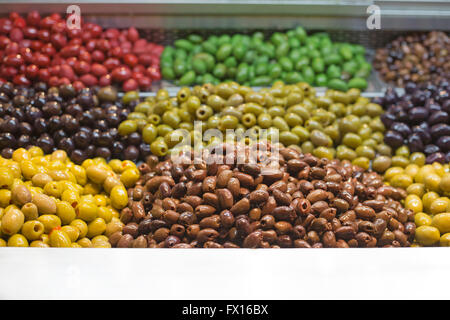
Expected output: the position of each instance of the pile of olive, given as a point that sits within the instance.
(341, 125)
(47, 200)
(420, 58)
(428, 188)
(84, 123)
(251, 60)
(420, 119)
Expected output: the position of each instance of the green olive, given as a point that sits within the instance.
(119, 197)
(427, 235)
(32, 230)
(127, 127)
(50, 221)
(96, 227)
(12, 221)
(81, 226)
(65, 212)
(30, 211)
(59, 239)
(17, 240)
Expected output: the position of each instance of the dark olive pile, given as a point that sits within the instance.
(420, 119)
(302, 202)
(84, 123)
(416, 57)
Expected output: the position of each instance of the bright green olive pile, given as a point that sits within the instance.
(48, 201)
(341, 125)
(251, 60)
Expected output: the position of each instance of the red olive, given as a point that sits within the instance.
(67, 72)
(121, 74)
(21, 80)
(97, 56)
(130, 85)
(33, 18)
(111, 63)
(105, 80)
(44, 35)
(130, 60)
(98, 70)
(89, 80)
(133, 34)
(32, 71)
(82, 67)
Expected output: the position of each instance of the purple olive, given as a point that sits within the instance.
(438, 117)
(436, 157)
(410, 87)
(415, 143)
(446, 106)
(418, 114)
(388, 119)
(439, 130)
(401, 128)
(432, 106)
(393, 139)
(431, 148)
(444, 143)
(447, 157)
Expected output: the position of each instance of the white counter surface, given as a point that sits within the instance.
(224, 273)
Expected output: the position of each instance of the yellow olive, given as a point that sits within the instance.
(17, 240)
(445, 240)
(54, 189)
(101, 242)
(39, 244)
(105, 213)
(110, 183)
(41, 179)
(414, 203)
(432, 181)
(50, 221)
(81, 226)
(428, 199)
(5, 198)
(119, 197)
(442, 222)
(444, 184)
(96, 227)
(12, 221)
(59, 238)
(422, 219)
(86, 211)
(96, 174)
(440, 205)
(85, 243)
(401, 181)
(30, 211)
(65, 212)
(416, 188)
(72, 232)
(33, 229)
(129, 177)
(427, 235)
